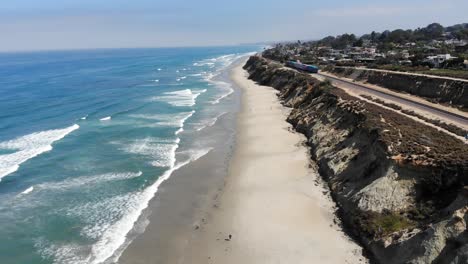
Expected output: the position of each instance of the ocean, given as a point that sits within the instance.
(87, 137)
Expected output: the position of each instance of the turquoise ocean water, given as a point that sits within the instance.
(87, 137)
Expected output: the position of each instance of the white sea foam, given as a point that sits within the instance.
(161, 152)
(108, 221)
(28, 190)
(199, 91)
(179, 98)
(159, 69)
(128, 221)
(203, 63)
(182, 122)
(107, 118)
(225, 94)
(156, 80)
(221, 63)
(28, 147)
(208, 123)
(167, 120)
(80, 181)
(84, 117)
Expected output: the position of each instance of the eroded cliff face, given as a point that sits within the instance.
(438, 90)
(401, 186)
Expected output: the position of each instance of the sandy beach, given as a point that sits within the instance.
(273, 208)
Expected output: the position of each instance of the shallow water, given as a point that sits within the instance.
(86, 137)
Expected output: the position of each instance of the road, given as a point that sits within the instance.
(409, 102)
(406, 73)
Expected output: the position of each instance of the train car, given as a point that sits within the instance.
(301, 66)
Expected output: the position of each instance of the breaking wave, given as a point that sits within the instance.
(208, 123)
(28, 147)
(108, 222)
(86, 180)
(185, 97)
(169, 120)
(160, 151)
(28, 190)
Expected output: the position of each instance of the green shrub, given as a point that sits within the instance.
(381, 224)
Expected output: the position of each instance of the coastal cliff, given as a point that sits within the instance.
(401, 187)
(435, 89)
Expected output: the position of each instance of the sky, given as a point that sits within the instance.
(90, 24)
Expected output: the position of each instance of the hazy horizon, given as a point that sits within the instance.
(28, 25)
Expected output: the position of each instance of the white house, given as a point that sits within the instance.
(456, 42)
(437, 60)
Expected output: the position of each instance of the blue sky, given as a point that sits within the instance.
(82, 24)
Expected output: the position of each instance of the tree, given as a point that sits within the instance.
(373, 36)
(432, 31)
(461, 33)
(358, 43)
(399, 36)
(343, 41)
(384, 36)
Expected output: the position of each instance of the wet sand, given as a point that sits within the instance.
(262, 203)
(273, 208)
(166, 227)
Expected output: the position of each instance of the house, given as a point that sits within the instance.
(456, 42)
(437, 60)
(370, 50)
(365, 60)
(405, 54)
(379, 55)
(405, 62)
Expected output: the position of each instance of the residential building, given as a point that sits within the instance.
(437, 60)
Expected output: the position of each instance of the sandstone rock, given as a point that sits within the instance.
(399, 185)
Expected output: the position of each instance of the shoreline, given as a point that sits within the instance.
(266, 194)
(165, 228)
(273, 208)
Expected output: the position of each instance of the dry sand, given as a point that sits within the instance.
(273, 204)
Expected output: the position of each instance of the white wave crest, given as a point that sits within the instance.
(28, 190)
(179, 98)
(86, 180)
(208, 123)
(123, 226)
(170, 120)
(107, 118)
(161, 152)
(223, 95)
(108, 222)
(28, 147)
